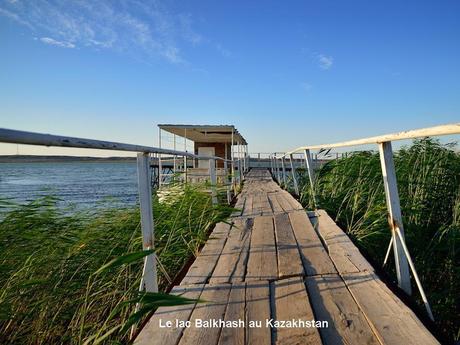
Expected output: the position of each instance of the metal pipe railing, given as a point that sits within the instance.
(403, 260)
(149, 280)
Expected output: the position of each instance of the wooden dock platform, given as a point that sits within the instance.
(278, 266)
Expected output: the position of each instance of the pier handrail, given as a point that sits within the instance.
(448, 129)
(403, 260)
(149, 281)
(13, 136)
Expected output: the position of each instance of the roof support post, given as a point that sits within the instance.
(395, 217)
(149, 274)
(294, 179)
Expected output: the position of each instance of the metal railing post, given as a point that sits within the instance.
(278, 175)
(149, 274)
(226, 181)
(311, 173)
(239, 172)
(284, 171)
(213, 179)
(294, 179)
(394, 212)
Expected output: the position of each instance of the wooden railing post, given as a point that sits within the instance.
(284, 171)
(149, 274)
(294, 179)
(213, 178)
(394, 212)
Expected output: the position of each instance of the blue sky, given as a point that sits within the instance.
(286, 73)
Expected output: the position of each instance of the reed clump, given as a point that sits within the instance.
(50, 292)
(351, 190)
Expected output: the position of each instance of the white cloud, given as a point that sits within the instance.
(53, 42)
(140, 28)
(325, 62)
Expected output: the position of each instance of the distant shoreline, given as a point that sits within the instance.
(62, 159)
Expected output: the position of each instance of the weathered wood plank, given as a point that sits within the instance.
(235, 312)
(342, 251)
(231, 265)
(248, 205)
(284, 203)
(153, 334)
(314, 257)
(332, 302)
(258, 310)
(276, 207)
(216, 297)
(262, 262)
(291, 303)
(202, 268)
(289, 260)
(392, 321)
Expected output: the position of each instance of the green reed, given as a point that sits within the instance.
(428, 174)
(52, 290)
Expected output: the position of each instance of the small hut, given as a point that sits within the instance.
(223, 141)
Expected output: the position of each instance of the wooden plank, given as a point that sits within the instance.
(289, 260)
(235, 312)
(343, 252)
(202, 268)
(248, 210)
(276, 206)
(258, 310)
(291, 303)
(239, 205)
(262, 262)
(392, 321)
(284, 203)
(332, 302)
(314, 256)
(231, 265)
(266, 207)
(153, 334)
(216, 297)
(257, 203)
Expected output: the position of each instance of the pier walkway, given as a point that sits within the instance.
(277, 262)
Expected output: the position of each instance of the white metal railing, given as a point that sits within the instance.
(149, 280)
(402, 256)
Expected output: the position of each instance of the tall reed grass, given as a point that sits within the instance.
(428, 174)
(51, 288)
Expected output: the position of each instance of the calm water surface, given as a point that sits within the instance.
(83, 184)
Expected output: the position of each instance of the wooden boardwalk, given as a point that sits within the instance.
(276, 263)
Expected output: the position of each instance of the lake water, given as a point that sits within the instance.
(84, 184)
